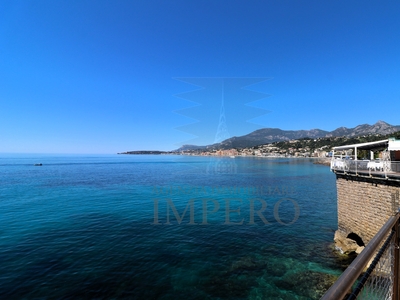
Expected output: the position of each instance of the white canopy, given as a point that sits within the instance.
(394, 145)
(365, 146)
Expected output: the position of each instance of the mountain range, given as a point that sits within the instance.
(270, 135)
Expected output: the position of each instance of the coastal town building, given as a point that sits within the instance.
(368, 189)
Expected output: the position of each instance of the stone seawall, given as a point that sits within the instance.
(364, 205)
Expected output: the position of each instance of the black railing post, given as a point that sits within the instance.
(345, 282)
(396, 270)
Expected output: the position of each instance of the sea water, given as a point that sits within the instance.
(165, 227)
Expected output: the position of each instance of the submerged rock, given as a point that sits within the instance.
(247, 264)
(228, 286)
(276, 268)
(344, 260)
(310, 284)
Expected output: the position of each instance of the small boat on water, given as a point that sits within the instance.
(37, 165)
(232, 156)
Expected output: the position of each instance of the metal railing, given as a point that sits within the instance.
(370, 167)
(381, 278)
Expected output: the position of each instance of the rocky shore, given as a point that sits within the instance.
(326, 161)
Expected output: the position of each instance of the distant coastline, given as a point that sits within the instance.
(274, 142)
(318, 160)
(144, 152)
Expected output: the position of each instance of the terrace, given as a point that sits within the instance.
(380, 159)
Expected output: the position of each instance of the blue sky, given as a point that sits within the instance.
(111, 76)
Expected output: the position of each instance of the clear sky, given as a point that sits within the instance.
(111, 76)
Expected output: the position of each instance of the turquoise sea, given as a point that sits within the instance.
(165, 227)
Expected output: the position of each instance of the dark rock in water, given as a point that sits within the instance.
(237, 281)
(310, 284)
(229, 286)
(37, 164)
(323, 161)
(276, 268)
(247, 264)
(344, 260)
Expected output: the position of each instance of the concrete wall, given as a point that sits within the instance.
(365, 204)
